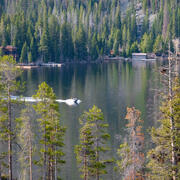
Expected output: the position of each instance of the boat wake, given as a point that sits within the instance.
(69, 102)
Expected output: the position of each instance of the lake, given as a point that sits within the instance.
(112, 87)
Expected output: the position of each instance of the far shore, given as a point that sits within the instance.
(105, 59)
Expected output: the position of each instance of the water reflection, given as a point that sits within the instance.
(112, 87)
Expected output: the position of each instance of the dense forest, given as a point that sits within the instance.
(74, 30)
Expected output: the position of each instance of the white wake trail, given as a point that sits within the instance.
(70, 102)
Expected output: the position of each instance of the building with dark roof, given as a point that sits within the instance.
(9, 50)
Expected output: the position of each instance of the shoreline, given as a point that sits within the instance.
(102, 60)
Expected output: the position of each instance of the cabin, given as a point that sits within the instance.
(9, 50)
(139, 56)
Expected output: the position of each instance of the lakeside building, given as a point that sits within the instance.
(139, 56)
(9, 50)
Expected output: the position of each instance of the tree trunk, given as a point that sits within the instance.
(176, 67)
(0, 171)
(52, 163)
(55, 162)
(44, 155)
(133, 152)
(173, 153)
(97, 170)
(55, 167)
(9, 136)
(85, 167)
(30, 160)
(97, 158)
(51, 169)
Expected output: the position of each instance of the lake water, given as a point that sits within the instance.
(112, 87)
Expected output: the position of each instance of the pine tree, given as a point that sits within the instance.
(3, 33)
(134, 47)
(131, 154)
(116, 48)
(66, 41)
(146, 43)
(178, 23)
(51, 132)
(145, 28)
(26, 139)
(44, 41)
(93, 142)
(81, 45)
(158, 45)
(94, 47)
(1, 52)
(133, 28)
(24, 54)
(118, 42)
(9, 85)
(54, 33)
(30, 57)
(33, 49)
(84, 151)
(118, 19)
(124, 35)
(174, 25)
(160, 157)
(44, 45)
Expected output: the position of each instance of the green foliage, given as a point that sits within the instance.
(80, 45)
(158, 45)
(146, 43)
(51, 132)
(134, 47)
(30, 57)
(24, 54)
(94, 50)
(44, 44)
(8, 86)
(60, 31)
(26, 139)
(126, 157)
(145, 28)
(160, 157)
(118, 19)
(1, 52)
(84, 152)
(145, 5)
(116, 48)
(67, 42)
(93, 140)
(54, 34)
(8, 74)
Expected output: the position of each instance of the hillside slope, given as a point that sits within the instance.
(42, 30)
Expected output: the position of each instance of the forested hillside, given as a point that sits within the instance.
(73, 30)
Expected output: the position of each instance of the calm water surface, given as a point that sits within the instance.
(112, 87)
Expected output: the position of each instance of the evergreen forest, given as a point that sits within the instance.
(42, 30)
